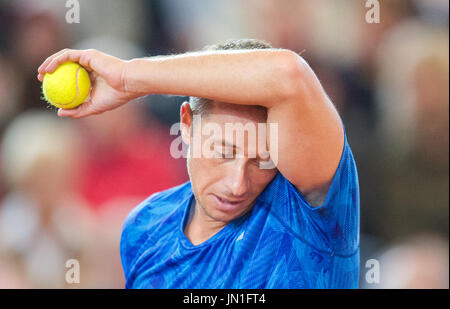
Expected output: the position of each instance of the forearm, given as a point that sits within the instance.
(256, 77)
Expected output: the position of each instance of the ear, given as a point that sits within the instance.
(186, 122)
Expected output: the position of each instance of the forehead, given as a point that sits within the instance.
(225, 112)
(240, 127)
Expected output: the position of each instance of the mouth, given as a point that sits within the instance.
(227, 204)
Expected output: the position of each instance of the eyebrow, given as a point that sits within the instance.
(225, 143)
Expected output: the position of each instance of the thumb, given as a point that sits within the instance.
(83, 110)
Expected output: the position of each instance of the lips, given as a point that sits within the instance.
(232, 202)
(227, 204)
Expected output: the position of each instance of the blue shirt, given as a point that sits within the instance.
(282, 242)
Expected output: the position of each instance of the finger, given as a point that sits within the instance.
(66, 112)
(72, 55)
(92, 75)
(42, 67)
(81, 111)
(83, 57)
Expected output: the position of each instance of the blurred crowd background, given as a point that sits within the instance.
(67, 185)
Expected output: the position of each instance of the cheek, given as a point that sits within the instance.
(204, 172)
(261, 178)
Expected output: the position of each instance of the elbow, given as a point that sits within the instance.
(294, 72)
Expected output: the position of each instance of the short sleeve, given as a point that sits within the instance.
(134, 234)
(332, 227)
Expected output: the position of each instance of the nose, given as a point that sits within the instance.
(238, 179)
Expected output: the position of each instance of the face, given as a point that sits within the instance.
(226, 175)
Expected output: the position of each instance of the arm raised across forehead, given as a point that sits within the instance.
(310, 136)
(310, 133)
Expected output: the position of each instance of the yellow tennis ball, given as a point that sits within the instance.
(67, 87)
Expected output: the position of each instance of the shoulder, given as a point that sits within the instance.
(144, 218)
(345, 179)
(329, 220)
(158, 203)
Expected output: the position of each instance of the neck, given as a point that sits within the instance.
(200, 226)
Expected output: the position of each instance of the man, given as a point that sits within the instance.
(237, 223)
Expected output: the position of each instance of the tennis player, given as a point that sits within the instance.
(237, 223)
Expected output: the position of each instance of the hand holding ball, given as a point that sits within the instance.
(67, 87)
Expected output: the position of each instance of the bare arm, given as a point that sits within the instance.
(257, 77)
(311, 136)
(310, 131)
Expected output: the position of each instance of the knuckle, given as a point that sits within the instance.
(61, 56)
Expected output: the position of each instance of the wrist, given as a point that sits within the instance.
(130, 79)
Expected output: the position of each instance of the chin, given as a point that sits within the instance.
(219, 216)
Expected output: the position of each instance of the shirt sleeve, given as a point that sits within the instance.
(134, 234)
(333, 226)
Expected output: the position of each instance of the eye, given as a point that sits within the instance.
(265, 159)
(254, 162)
(217, 150)
(224, 153)
(229, 154)
(218, 154)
